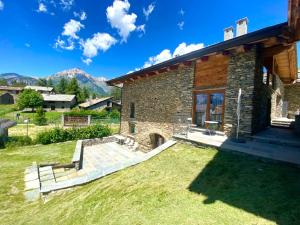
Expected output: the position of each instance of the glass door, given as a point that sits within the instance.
(216, 109)
(200, 110)
(209, 106)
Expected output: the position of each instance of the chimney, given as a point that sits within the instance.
(228, 33)
(242, 27)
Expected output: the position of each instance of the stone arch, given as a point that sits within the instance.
(156, 140)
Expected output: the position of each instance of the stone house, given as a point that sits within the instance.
(58, 102)
(40, 89)
(203, 85)
(97, 104)
(11, 90)
(6, 98)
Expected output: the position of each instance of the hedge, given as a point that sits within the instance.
(60, 135)
(103, 114)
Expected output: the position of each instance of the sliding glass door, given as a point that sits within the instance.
(209, 106)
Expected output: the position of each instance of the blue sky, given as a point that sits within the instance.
(42, 37)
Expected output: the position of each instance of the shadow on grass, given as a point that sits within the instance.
(268, 190)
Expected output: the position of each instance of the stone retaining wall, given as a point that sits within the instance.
(277, 98)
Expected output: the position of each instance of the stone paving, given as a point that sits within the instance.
(284, 149)
(97, 161)
(32, 183)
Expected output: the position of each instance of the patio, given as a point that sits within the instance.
(273, 143)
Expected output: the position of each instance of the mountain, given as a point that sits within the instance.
(94, 84)
(11, 77)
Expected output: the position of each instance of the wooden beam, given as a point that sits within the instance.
(268, 52)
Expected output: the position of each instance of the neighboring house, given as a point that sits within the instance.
(204, 84)
(6, 98)
(58, 102)
(41, 89)
(11, 90)
(97, 104)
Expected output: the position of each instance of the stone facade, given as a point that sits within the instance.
(277, 97)
(162, 104)
(292, 96)
(245, 72)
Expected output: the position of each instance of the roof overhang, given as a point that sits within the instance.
(278, 32)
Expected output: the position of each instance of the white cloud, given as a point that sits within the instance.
(165, 55)
(149, 10)
(87, 61)
(100, 41)
(1, 5)
(142, 29)
(66, 4)
(66, 45)
(71, 28)
(82, 15)
(183, 48)
(161, 57)
(42, 8)
(180, 25)
(27, 45)
(118, 17)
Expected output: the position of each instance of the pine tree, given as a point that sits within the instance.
(62, 86)
(73, 87)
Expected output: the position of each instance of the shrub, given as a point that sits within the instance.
(60, 135)
(114, 114)
(40, 117)
(17, 141)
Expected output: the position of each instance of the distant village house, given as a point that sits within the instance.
(6, 98)
(58, 102)
(40, 89)
(97, 104)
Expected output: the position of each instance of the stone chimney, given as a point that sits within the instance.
(228, 33)
(242, 27)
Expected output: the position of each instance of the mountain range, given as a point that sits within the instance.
(94, 84)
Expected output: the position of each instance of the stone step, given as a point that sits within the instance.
(276, 141)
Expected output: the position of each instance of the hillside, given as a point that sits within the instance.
(14, 77)
(94, 84)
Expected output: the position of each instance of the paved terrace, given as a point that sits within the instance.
(273, 143)
(97, 161)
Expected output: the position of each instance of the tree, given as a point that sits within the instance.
(62, 86)
(50, 83)
(30, 99)
(3, 82)
(16, 83)
(40, 117)
(94, 96)
(42, 82)
(73, 87)
(116, 93)
(86, 93)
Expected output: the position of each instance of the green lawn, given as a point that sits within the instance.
(4, 109)
(183, 185)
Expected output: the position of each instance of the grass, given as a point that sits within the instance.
(183, 185)
(33, 130)
(52, 117)
(4, 109)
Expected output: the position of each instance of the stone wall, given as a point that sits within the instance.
(162, 104)
(245, 72)
(277, 98)
(292, 96)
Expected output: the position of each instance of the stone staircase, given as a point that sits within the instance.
(92, 159)
(282, 122)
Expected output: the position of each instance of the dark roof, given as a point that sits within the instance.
(249, 38)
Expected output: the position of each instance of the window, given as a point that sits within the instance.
(265, 76)
(132, 128)
(132, 110)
